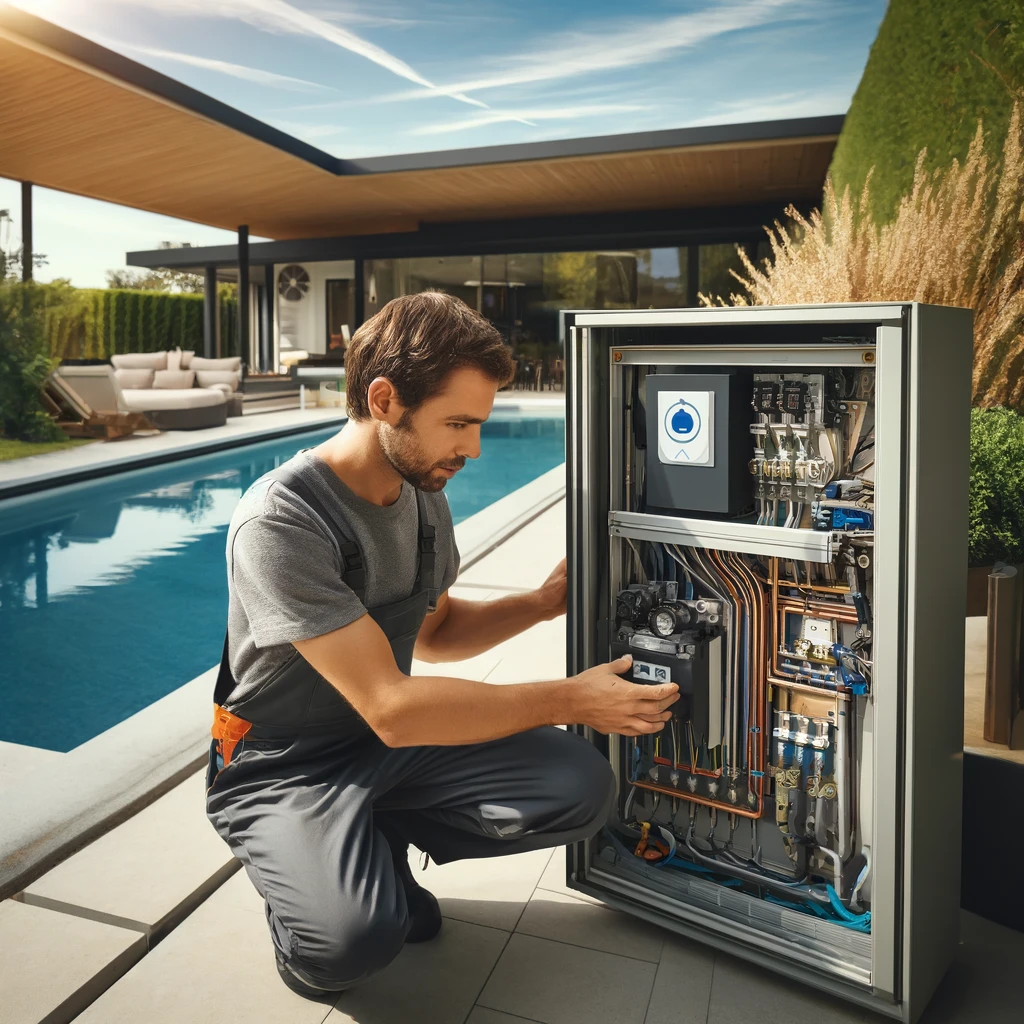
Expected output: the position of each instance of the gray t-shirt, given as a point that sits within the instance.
(284, 566)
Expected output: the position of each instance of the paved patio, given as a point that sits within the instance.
(154, 923)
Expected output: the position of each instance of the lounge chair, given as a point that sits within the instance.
(166, 408)
(78, 419)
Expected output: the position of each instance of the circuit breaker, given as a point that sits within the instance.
(768, 506)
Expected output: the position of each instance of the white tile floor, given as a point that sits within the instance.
(517, 945)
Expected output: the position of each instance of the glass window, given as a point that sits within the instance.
(523, 293)
(716, 262)
(339, 315)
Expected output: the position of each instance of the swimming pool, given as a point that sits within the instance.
(113, 592)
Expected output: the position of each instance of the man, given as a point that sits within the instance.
(329, 759)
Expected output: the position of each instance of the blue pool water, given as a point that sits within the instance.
(113, 593)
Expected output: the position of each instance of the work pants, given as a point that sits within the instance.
(304, 817)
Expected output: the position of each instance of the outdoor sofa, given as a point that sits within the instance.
(178, 370)
(167, 408)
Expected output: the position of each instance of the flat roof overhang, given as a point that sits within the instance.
(80, 118)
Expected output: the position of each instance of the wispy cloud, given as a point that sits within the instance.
(249, 74)
(379, 17)
(574, 54)
(279, 16)
(527, 116)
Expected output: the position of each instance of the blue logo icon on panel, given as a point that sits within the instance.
(683, 425)
(687, 422)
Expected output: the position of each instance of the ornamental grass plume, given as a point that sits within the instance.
(957, 240)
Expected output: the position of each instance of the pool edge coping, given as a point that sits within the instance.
(140, 460)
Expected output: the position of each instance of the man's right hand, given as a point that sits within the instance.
(608, 703)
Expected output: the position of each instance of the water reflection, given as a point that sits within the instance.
(102, 541)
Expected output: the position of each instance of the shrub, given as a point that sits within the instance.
(957, 240)
(24, 364)
(997, 487)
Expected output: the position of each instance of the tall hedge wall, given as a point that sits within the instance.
(936, 67)
(95, 323)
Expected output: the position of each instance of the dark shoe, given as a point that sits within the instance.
(297, 985)
(424, 912)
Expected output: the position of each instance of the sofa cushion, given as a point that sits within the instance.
(192, 398)
(231, 363)
(134, 379)
(174, 359)
(140, 361)
(176, 379)
(186, 359)
(207, 378)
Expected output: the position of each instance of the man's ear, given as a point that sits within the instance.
(382, 400)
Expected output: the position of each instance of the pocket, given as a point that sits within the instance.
(214, 766)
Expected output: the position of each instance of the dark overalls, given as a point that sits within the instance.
(300, 787)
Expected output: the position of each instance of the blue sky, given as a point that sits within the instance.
(373, 77)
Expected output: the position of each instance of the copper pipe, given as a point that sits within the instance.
(736, 658)
(759, 680)
(694, 799)
(804, 688)
(840, 612)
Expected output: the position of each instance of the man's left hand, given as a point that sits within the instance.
(551, 593)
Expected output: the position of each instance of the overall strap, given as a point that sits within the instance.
(428, 554)
(353, 571)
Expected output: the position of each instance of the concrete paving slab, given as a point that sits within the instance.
(984, 982)
(553, 879)
(554, 915)
(558, 984)
(537, 654)
(147, 873)
(741, 991)
(19, 759)
(215, 967)
(432, 983)
(682, 986)
(481, 1015)
(526, 559)
(491, 891)
(53, 966)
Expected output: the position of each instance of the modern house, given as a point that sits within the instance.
(519, 232)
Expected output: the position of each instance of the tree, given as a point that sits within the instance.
(158, 280)
(11, 258)
(24, 364)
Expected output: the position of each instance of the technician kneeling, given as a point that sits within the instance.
(328, 757)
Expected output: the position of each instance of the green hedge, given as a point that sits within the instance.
(936, 67)
(96, 323)
(997, 487)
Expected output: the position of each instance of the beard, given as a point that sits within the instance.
(402, 450)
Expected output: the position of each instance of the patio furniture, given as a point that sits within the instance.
(166, 408)
(78, 419)
(178, 370)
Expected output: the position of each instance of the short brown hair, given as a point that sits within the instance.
(415, 341)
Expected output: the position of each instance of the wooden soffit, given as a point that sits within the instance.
(82, 119)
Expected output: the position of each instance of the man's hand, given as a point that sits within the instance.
(608, 703)
(550, 594)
